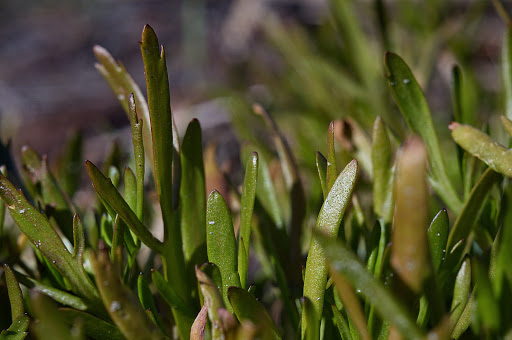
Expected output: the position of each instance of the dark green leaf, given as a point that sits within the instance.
(146, 299)
(193, 196)
(321, 167)
(310, 325)
(437, 238)
(170, 296)
(70, 165)
(466, 220)
(506, 60)
(106, 190)
(247, 308)
(14, 291)
(138, 152)
(341, 323)
(411, 102)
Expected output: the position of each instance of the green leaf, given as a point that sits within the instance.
(94, 327)
(221, 242)
(507, 124)
(14, 291)
(437, 238)
(47, 190)
(480, 145)
(321, 167)
(343, 263)
(146, 299)
(45, 310)
(193, 196)
(17, 330)
(469, 213)
(341, 323)
(461, 291)
(410, 250)
(506, 59)
(328, 222)
(106, 191)
(123, 307)
(247, 308)
(70, 164)
(40, 232)
(160, 114)
(247, 208)
(411, 102)
(488, 311)
(123, 85)
(78, 240)
(332, 171)
(382, 171)
(138, 151)
(466, 317)
(170, 296)
(310, 325)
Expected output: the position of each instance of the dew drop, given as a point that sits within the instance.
(438, 234)
(392, 83)
(211, 222)
(22, 211)
(406, 81)
(115, 306)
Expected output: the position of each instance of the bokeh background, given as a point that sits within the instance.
(292, 56)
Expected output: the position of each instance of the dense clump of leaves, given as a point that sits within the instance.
(384, 257)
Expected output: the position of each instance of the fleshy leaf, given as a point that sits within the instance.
(411, 102)
(94, 327)
(193, 196)
(221, 242)
(328, 222)
(14, 291)
(17, 330)
(480, 145)
(45, 310)
(106, 190)
(123, 307)
(461, 291)
(47, 189)
(382, 172)
(467, 217)
(170, 296)
(40, 232)
(138, 151)
(321, 166)
(247, 208)
(409, 251)
(343, 262)
(247, 308)
(146, 299)
(437, 237)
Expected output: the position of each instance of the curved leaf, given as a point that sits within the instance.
(247, 308)
(40, 232)
(411, 102)
(17, 330)
(328, 222)
(14, 291)
(342, 262)
(94, 327)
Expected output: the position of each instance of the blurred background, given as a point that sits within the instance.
(307, 61)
